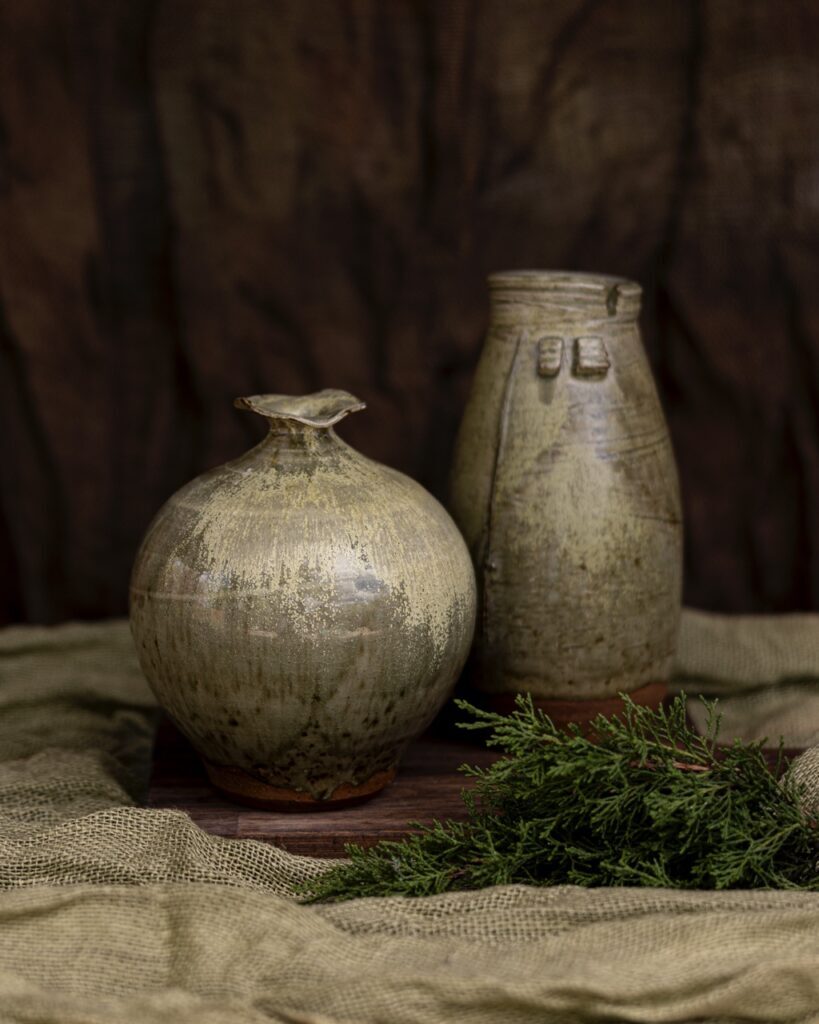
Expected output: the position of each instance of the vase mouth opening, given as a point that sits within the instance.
(608, 294)
(321, 409)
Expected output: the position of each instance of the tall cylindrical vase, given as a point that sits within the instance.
(566, 489)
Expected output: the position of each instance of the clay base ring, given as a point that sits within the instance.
(581, 712)
(243, 788)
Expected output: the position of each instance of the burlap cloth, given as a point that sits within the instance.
(114, 913)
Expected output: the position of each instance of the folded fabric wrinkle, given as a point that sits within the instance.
(111, 912)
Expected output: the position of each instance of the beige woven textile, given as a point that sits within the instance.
(764, 670)
(114, 913)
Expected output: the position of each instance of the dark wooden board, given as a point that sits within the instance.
(428, 786)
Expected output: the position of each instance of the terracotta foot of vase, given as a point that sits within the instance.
(582, 712)
(243, 788)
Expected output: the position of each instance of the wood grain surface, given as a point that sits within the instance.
(200, 200)
(427, 787)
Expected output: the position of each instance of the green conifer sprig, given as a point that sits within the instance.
(649, 802)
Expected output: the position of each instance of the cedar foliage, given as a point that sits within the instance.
(649, 803)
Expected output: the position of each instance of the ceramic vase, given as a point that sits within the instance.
(302, 612)
(565, 487)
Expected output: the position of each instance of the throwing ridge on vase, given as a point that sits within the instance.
(302, 612)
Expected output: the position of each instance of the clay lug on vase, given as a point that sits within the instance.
(565, 487)
(303, 612)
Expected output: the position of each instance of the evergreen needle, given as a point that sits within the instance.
(650, 802)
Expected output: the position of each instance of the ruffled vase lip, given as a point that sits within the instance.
(321, 409)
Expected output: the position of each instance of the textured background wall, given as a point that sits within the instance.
(204, 199)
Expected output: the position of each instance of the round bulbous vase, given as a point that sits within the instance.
(302, 612)
(565, 488)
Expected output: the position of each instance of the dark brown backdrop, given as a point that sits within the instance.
(203, 199)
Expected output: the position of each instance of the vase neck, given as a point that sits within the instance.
(299, 438)
(301, 425)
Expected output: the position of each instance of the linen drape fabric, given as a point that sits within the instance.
(112, 912)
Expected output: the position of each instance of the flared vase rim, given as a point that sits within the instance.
(321, 409)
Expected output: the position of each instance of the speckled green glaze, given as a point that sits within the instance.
(565, 487)
(303, 612)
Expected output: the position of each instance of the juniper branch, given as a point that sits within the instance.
(650, 802)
